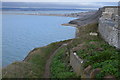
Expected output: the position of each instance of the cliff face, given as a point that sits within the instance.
(108, 18)
(109, 27)
(88, 19)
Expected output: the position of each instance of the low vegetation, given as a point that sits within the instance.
(34, 65)
(96, 52)
(60, 67)
(18, 70)
(93, 49)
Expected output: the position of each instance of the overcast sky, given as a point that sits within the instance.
(65, 3)
(60, 0)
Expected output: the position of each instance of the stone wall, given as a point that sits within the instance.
(109, 26)
(110, 31)
(76, 63)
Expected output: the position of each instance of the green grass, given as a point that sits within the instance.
(107, 58)
(40, 57)
(34, 65)
(96, 52)
(83, 35)
(60, 66)
(93, 49)
(18, 70)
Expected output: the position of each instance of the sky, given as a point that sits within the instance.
(63, 3)
(60, 0)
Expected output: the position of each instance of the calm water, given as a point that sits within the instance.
(46, 12)
(22, 33)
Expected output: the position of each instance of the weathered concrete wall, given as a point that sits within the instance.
(109, 26)
(76, 63)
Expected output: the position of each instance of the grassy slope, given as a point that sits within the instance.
(93, 49)
(34, 64)
(96, 52)
(60, 65)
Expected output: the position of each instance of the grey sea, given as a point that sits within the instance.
(22, 33)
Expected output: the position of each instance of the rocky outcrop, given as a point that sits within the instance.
(88, 19)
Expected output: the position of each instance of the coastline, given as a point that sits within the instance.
(84, 46)
(75, 15)
(65, 24)
(26, 59)
(72, 25)
(81, 15)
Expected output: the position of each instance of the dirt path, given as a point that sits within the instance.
(47, 66)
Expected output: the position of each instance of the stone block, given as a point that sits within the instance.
(107, 15)
(76, 64)
(86, 72)
(94, 72)
(110, 77)
(109, 9)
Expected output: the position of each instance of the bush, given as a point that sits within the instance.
(109, 67)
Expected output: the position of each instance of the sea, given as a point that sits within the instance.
(23, 33)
